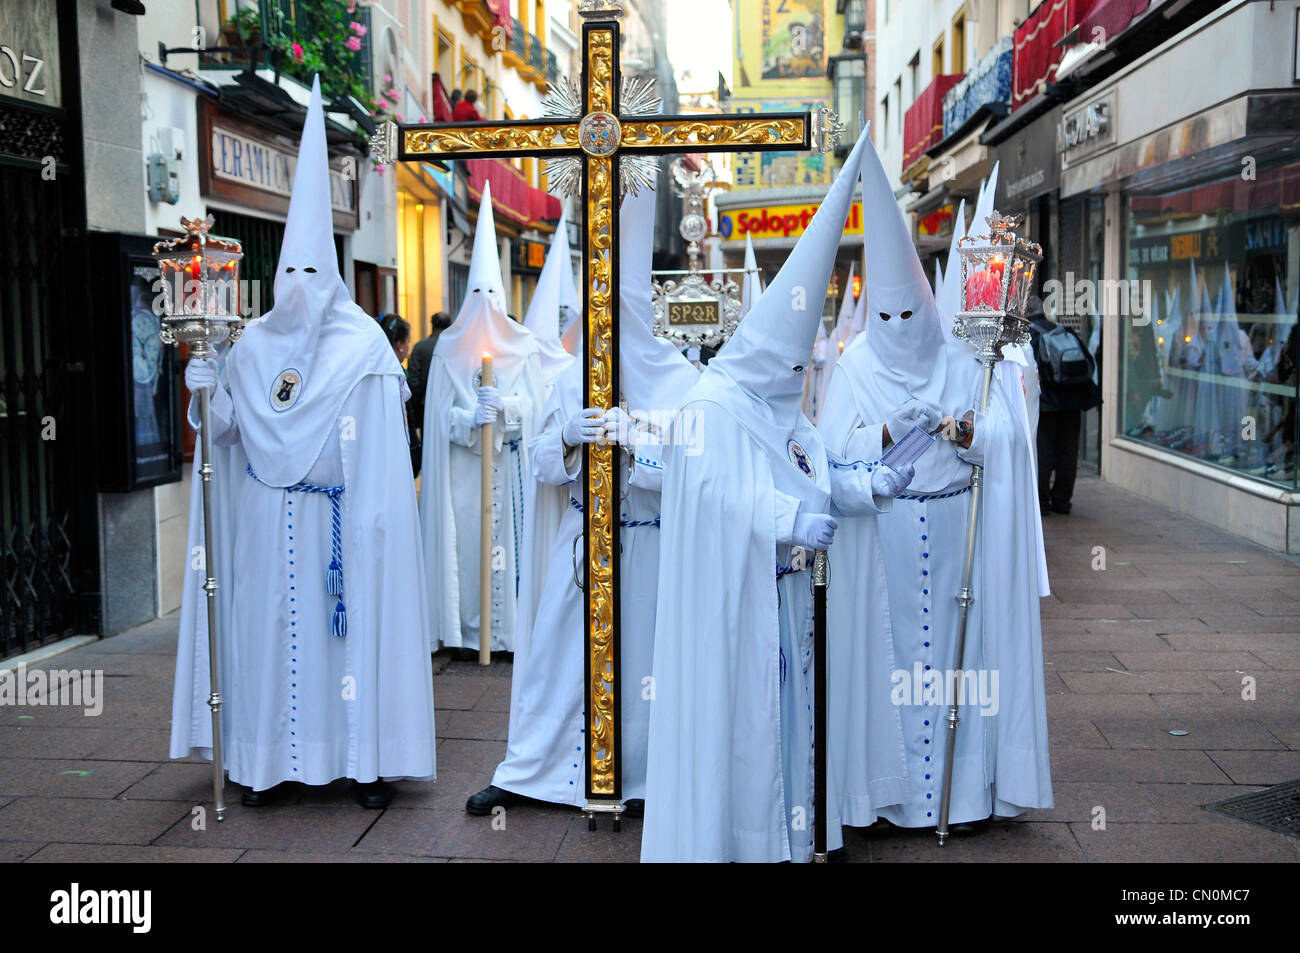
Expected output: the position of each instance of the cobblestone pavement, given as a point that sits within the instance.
(1161, 639)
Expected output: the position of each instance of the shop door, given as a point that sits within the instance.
(42, 492)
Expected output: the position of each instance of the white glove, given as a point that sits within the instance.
(201, 375)
(586, 426)
(489, 405)
(619, 427)
(912, 413)
(889, 483)
(813, 530)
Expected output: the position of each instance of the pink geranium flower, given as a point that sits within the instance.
(353, 43)
(297, 52)
(358, 28)
(398, 117)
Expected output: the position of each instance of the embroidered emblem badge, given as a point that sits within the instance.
(285, 390)
(800, 459)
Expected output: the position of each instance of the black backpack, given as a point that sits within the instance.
(1062, 358)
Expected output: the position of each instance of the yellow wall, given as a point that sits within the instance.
(780, 52)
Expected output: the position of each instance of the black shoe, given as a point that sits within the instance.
(373, 794)
(1063, 508)
(251, 798)
(466, 655)
(482, 804)
(634, 807)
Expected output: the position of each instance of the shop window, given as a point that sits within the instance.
(1208, 369)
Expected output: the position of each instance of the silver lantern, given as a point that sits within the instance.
(200, 292)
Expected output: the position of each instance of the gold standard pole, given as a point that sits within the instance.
(485, 530)
(199, 351)
(965, 597)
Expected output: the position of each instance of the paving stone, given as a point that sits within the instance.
(1145, 683)
(1190, 661)
(16, 851)
(276, 827)
(1215, 841)
(178, 781)
(353, 857)
(1256, 767)
(1099, 764)
(1202, 733)
(530, 834)
(495, 698)
(88, 820)
(1185, 803)
(42, 777)
(131, 854)
(1027, 841)
(1122, 801)
(458, 691)
(486, 725)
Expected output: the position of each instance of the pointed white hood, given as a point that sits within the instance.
(482, 325)
(1227, 335)
(758, 375)
(543, 317)
(902, 354)
(292, 370)
(938, 272)
(948, 299)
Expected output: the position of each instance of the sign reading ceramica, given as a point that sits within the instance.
(29, 52)
(239, 158)
(778, 221)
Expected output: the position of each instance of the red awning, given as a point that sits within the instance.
(1036, 54)
(1111, 17)
(513, 198)
(923, 121)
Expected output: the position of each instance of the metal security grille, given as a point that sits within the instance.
(1276, 808)
(38, 479)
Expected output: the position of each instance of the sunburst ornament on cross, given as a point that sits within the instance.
(601, 130)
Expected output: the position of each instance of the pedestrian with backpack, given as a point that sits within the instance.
(1067, 389)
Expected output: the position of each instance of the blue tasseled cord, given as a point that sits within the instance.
(577, 505)
(333, 575)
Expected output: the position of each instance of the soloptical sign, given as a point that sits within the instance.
(778, 221)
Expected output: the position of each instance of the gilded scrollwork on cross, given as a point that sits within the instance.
(755, 132)
(600, 479)
(539, 138)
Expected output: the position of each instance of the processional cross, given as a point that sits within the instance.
(603, 130)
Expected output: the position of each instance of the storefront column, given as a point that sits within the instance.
(1112, 331)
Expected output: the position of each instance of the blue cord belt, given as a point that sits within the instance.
(935, 496)
(333, 575)
(624, 523)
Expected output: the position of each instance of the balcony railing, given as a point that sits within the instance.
(1036, 53)
(923, 121)
(552, 68)
(514, 198)
(989, 82)
(536, 56)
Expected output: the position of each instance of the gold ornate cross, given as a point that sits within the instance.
(600, 131)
